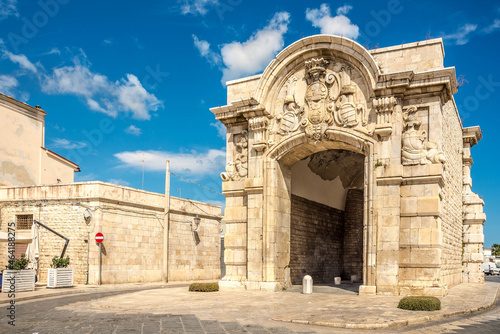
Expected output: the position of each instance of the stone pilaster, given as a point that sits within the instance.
(473, 215)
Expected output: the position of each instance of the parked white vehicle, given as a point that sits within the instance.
(490, 268)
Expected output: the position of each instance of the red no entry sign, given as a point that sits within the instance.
(99, 238)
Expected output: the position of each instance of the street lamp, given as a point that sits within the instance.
(197, 224)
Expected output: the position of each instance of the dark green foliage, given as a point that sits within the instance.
(58, 262)
(204, 287)
(18, 264)
(420, 303)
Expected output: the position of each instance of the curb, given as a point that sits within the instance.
(89, 291)
(392, 324)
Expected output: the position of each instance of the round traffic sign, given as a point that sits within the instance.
(99, 238)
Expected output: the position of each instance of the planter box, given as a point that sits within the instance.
(24, 280)
(60, 278)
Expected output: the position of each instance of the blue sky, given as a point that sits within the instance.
(127, 81)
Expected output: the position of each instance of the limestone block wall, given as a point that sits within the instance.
(194, 255)
(132, 250)
(451, 196)
(419, 56)
(63, 217)
(353, 235)
(132, 222)
(316, 241)
(241, 89)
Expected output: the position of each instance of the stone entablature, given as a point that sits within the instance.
(329, 93)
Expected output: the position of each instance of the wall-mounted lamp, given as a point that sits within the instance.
(87, 215)
(196, 223)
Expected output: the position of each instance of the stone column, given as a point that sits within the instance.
(473, 216)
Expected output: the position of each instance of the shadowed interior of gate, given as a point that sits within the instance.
(326, 238)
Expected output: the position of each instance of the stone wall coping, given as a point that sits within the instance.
(103, 191)
(409, 46)
(245, 79)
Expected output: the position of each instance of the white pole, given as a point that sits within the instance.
(166, 222)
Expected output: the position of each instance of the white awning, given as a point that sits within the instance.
(4, 237)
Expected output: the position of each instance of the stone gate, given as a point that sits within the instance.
(345, 161)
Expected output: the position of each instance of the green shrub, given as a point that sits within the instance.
(18, 264)
(204, 287)
(420, 303)
(58, 262)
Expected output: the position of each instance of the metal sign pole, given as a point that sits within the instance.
(100, 262)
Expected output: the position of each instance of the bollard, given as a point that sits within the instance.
(354, 278)
(307, 285)
(337, 280)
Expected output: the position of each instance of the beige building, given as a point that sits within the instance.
(23, 158)
(344, 161)
(143, 242)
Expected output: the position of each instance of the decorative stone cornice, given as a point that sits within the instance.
(472, 135)
(409, 83)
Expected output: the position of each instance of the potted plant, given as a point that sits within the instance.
(16, 277)
(60, 276)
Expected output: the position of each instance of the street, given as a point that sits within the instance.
(70, 314)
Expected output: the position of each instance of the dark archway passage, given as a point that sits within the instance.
(326, 221)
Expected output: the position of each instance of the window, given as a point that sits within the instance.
(24, 222)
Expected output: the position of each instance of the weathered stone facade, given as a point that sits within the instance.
(373, 135)
(140, 243)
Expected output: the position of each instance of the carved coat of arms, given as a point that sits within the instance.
(329, 98)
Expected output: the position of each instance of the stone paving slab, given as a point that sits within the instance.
(41, 290)
(266, 308)
(378, 312)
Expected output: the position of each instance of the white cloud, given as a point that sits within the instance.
(8, 8)
(53, 51)
(193, 163)
(102, 95)
(133, 130)
(337, 25)
(196, 7)
(221, 129)
(344, 10)
(119, 182)
(7, 84)
(135, 98)
(67, 144)
(462, 35)
(22, 60)
(492, 27)
(205, 51)
(252, 56)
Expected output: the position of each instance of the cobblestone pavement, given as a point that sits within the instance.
(127, 312)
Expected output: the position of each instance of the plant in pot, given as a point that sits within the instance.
(16, 277)
(60, 276)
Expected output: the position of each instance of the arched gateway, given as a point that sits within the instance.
(344, 161)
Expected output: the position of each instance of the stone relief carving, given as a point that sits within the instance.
(238, 168)
(347, 113)
(384, 107)
(288, 120)
(259, 127)
(416, 150)
(329, 99)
